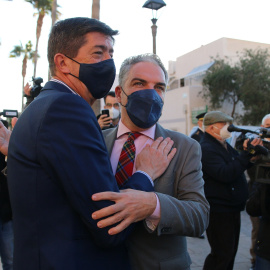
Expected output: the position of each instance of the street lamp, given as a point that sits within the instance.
(154, 5)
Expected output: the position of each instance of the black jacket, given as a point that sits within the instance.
(5, 208)
(197, 135)
(258, 205)
(223, 171)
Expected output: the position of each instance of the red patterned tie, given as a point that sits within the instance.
(126, 160)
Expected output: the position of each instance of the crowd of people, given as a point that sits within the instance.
(117, 190)
(226, 189)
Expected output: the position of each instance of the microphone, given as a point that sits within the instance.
(232, 128)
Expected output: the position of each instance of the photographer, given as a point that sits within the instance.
(111, 115)
(32, 91)
(225, 189)
(258, 205)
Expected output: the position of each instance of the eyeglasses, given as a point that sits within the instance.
(115, 105)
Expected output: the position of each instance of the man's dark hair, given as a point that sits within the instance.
(68, 36)
(111, 93)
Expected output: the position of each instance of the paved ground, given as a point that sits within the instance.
(199, 248)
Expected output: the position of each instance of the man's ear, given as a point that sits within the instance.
(209, 129)
(61, 63)
(118, 93)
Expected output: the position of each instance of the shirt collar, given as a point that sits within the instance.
(122, 129)
(61, 82)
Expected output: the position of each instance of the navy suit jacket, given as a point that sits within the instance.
(57, 160)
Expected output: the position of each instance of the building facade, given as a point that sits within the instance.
(182, 101)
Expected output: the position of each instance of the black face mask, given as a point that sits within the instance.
(144, 107)
(98, 77)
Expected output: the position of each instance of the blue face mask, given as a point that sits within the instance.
(98, 77)
(144, 107)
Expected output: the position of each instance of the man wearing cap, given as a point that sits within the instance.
(197, 135)
(225, 189)
(199, 132)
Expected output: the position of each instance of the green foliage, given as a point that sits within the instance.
(19, 50)
(41, 4)
(247, 81)
(255, 67)
(26, 52)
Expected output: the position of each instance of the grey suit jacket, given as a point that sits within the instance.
(184, 208)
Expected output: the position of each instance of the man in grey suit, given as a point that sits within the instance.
(180, 208)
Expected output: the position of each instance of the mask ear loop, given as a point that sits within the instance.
(71, 59)
(126, 96)
(75, 62)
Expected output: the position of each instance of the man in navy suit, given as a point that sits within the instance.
(57, 160)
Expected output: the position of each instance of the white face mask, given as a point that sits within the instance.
(224, 133)
(114, 113)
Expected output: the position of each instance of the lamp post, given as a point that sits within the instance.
(154, 5)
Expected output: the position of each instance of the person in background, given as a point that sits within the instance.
(6, 225)
(258, 205)
(27, 93)
(225, 189)
(13, 122)
(197, 135)
(113, 106)
(255, 221)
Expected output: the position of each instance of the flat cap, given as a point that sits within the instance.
(215, 117)
(201, 115)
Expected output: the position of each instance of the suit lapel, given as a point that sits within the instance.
(160, 132)
(110, 137)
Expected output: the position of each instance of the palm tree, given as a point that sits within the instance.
(54, 11)
(27, 53)
(55, 14)
(95, 9)
(43, 7)
(95, 15)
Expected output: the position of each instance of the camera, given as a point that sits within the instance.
(9, 113)
(262, 174)
(255, 150)
(35, 90)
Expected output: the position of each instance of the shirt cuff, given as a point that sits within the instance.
(153, 220)
(147, 175)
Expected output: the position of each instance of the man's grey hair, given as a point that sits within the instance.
(265, 117)
(131, 61)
